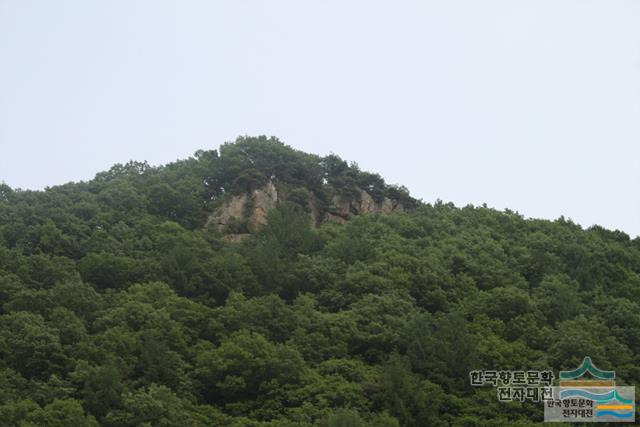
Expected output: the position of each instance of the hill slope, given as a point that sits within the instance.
(123, 301)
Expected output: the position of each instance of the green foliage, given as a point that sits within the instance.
(106, 270)
(300, 196)
(30, 346)
(119, 308)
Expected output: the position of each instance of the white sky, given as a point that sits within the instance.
(528, 105)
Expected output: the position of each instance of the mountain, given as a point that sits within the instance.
(257, 285)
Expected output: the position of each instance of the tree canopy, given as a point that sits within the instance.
(119, 308)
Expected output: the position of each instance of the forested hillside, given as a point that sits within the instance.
(119, 307)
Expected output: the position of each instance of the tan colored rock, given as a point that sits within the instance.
(367, 204)
(386, 206)
(340, 206)
(264, 199)
(234, 208)
(340, 210)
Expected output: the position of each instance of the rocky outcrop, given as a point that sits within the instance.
(231, 211)
(252, 208)
(248, 212)
(342, 209)
(263, 199)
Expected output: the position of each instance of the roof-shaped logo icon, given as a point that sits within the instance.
(587, 366)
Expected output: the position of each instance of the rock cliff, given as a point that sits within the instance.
(246, 213)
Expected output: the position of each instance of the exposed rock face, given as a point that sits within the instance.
(254, 208)
(263, 199)
(235, 210)
(367, 204)
(230, 211)
(339, 211)
(342, 209)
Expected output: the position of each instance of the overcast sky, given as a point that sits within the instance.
(528, 105)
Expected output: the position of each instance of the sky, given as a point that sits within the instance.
(528, 105)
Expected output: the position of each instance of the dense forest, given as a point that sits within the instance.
(118, 307)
